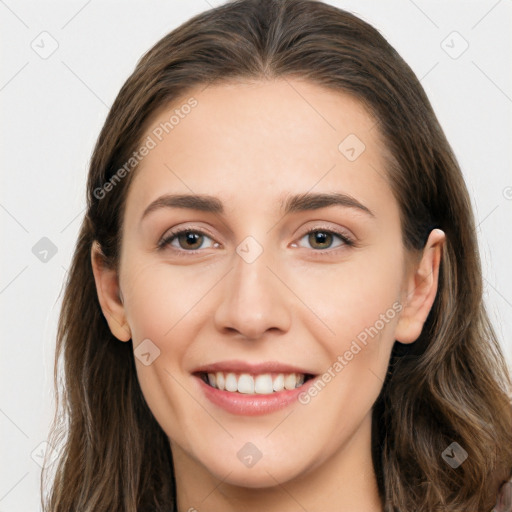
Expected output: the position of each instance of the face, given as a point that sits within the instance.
(293, 264)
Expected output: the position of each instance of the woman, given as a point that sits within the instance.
(215, 358)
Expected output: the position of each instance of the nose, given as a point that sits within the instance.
(254, 299)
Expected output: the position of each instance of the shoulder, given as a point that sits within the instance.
(504, 502)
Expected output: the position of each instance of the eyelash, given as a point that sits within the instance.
(166, 241)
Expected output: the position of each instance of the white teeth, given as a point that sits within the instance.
(290, 381)
(220, 380)
(262, 384)
(231, 383)
(245, 384)
(278, 384)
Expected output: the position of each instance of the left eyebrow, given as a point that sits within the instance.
(309, 201)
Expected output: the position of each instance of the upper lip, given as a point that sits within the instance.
(237, 366)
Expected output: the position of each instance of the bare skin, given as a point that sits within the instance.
(302, 301)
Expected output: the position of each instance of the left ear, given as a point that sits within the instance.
(420, 289)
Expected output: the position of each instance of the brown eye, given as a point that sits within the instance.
(186, 240)
(322, 239)
(190, 240)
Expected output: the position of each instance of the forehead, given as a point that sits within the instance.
(249, 141)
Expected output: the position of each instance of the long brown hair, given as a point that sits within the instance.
(451, 385)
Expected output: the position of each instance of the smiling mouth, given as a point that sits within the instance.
(254, 384)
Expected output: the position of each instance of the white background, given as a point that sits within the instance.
(53, 110)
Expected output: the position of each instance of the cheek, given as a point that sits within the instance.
(362, 312)
(162, 306)
(354, 296)
(359, 309)
(161, 301)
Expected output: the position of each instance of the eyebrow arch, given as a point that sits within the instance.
(295, 203)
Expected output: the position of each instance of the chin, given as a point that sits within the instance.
(263, 474)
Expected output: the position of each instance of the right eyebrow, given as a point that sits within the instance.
(203, 203)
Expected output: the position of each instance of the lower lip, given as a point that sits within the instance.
(252, 405)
